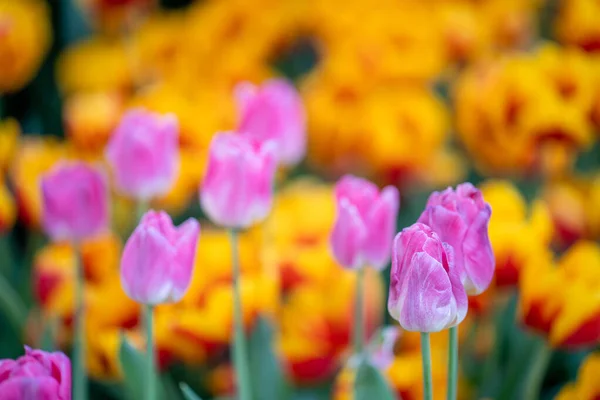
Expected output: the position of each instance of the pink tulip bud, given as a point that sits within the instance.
(365, 223)
(144, 154)
(37, 375)
(158, 259)
(426, 294)
(273, 111)
(238, 187)
(460, 218)
(74, 202)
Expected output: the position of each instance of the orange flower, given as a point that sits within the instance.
(8, 211)
(587, 386)
(564, 301)
(25, 36)
(112, 16)
(34, 157)
(9, 138)
(518, 235)
(90, 119)
(577, 23)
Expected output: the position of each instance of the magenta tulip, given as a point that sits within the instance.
(365, 223)
(158, 259)
(460, 218)
(238, 187)
(74, 202)
(37, 375)
(273, 111)
(426, 294)
(144, 154)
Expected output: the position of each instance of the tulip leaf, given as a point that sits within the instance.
(188, 393)
(268, 380)
(133, 365)
(12, 306)
(370, 384)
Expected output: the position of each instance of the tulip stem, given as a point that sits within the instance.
(140, 209)
(150, 366)
(359, 334)
(453, 363)
(240, 352)
(426, 360)
(79, 370)
(537, 371)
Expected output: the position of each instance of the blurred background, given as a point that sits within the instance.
(418, 94)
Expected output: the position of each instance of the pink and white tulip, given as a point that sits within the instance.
(74, 202)
(38, 375)
(365, 223)
(426, 294)
(144, 154)
(237, 191)
(273, 111)
(158, 259)
(460, 218)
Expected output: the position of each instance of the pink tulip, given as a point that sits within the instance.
(382, 353)
(273, 111)
(144, 154)
(158, 259)
(460, 218)
(426, 294)
(365, 223)
(37, 375)
(238, 187)
(74, 202)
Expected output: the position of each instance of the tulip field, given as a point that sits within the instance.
(299, 199)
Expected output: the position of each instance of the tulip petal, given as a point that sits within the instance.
(348, 235)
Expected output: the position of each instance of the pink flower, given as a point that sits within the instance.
(365, 223)
(382, 351)
(460, 218)
(74, 202)
(238, 187)
(37, 375)
(273, 111)
(158, 259)
(426, 294)
(144, 154)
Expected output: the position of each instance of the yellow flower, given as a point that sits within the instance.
(96, 64)
(518, 235)
(526, 112)
(587, 386)
(8, 210)
(33, 158)
(577, 23)
(573, 205)
(90, 118)
(25, 36)
(9, 137)
(564, 301)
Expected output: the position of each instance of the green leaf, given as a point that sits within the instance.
(48, 341)
(132, 363)
(188, 393)
(12, 306)
(268, 380)
(370, 384)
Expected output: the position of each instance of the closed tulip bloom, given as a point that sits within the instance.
(365, 223)
(460, 218)
(273, 111)
(238, 187)
(144, 154)
(426, 294)
(37, 375)
(74, 202)
(158, 259)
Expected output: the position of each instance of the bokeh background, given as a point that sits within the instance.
(418, 94)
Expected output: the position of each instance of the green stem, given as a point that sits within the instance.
(79, 370)
(12, 306)
(150, 365)
(359, 329)
(426, 360)
(240, 352)
(537, 371)
(452, 363)
(140, 209)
